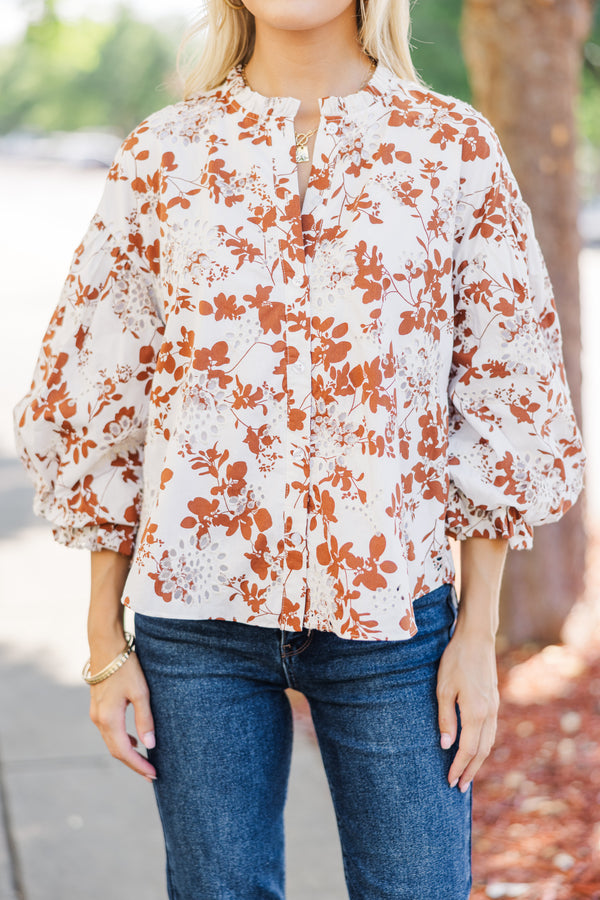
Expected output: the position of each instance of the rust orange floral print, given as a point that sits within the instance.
(284, 411)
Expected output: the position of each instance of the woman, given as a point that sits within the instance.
(303, 343)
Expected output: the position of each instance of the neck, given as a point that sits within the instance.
(308, 64)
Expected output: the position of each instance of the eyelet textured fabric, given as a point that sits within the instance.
(284, 411)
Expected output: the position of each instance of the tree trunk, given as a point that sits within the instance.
(524, 59)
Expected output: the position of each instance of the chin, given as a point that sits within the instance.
(298, 15)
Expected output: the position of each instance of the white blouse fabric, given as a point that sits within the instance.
(283, 413)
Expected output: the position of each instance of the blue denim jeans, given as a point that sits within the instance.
(223, 746)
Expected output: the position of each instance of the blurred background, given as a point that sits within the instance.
(75, 78)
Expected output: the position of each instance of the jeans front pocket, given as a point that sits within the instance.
(452, 601)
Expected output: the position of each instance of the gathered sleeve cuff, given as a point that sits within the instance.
(464, 520)
(80, 430)
(120, 538)
(516, 458)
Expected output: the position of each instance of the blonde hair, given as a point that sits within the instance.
(227, 39)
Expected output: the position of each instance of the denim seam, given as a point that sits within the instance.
(470, 860)
(288, 675)
(338, 820)
(171, 891)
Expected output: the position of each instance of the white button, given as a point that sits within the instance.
(298, 453)
(300, 366)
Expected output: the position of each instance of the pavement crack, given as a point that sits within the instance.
(41, 763)
(16, 872)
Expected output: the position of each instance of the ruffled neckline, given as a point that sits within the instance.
(381, 82)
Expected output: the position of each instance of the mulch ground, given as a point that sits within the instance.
(536, 803)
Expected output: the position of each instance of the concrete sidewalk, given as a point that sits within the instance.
(77, 825)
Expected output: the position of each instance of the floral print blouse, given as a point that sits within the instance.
(282, 412)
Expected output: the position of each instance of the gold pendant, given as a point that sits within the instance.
(302, 152)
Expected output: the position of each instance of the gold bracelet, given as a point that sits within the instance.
(113, 666)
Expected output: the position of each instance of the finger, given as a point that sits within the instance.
(122, 750)
(447, 718)
(467, 749)
(486, 742)
(120, 747)
(144, 723)
(112, 728)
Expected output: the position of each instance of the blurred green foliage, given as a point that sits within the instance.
(589, 105)
(65, 75)
(436, 49)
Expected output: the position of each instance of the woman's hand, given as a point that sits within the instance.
(110, 698)
(108, 703)
(467, 675)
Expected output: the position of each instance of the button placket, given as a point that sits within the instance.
(294, 286)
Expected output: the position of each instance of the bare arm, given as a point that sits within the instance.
(110, 698)
(467, 674)
(105, 617)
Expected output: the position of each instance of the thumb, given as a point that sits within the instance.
(447, 719)
(144, 723)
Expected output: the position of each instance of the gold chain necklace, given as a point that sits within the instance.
(302, 144)
(303, 136)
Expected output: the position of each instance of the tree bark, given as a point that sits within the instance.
(524, 59)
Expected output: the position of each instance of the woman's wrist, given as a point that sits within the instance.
(478, 615)
(94, 676)
(105, 635)
(105, 618)
(482, 562)
(106, 632)
(479, 630)
(105, 645)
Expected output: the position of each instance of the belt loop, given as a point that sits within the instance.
(283, 646)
